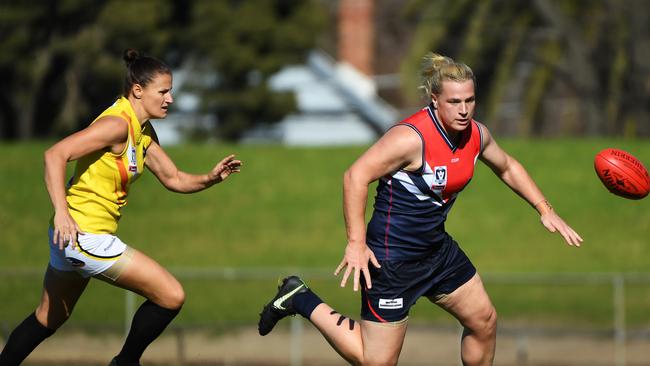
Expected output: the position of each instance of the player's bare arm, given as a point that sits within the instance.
(107, 132)
(163, 167)
(513, 174)
(510, 171)
(400, 147)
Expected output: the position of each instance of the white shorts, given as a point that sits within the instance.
(94, 254)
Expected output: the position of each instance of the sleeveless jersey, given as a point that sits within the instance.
(411, 207)
(101, 181)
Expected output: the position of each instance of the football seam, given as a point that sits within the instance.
(634, 178)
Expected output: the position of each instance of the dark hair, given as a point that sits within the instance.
(141, 69)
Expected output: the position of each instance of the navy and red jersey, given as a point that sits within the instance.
(410, 209)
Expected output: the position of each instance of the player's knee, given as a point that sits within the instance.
(390, 361)
(51, 318)
(491, 320)
(379, 359)
(486, 324)
(362, 360)
(354, 357)
(175, 297)
(354, 360)
(172, 296)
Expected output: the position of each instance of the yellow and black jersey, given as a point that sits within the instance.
(101, 181)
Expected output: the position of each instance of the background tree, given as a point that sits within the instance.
(545, 67)
(60, 61)
(243, 43)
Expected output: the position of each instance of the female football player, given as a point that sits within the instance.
(404, 253)
(110, 155)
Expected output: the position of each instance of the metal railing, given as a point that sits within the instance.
(617, 281)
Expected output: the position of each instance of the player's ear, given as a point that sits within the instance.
(434, 100)
(136, 90)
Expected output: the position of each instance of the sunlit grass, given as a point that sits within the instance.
(284, 210)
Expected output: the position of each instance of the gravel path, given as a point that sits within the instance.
(423, 346)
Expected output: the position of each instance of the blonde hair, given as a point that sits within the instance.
(438, 68)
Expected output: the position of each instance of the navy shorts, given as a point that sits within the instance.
(397, 285)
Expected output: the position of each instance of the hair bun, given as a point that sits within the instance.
(130, 55)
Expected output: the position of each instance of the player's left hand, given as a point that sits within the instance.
(225, 168)
(554, 223)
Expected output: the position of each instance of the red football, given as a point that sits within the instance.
(622, 174)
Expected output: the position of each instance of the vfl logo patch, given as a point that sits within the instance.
(440, 176)
(439, 179)
(391, 303)
(133, 159)
(75, 262)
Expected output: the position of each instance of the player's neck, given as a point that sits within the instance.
(139, 110)
(454, 136)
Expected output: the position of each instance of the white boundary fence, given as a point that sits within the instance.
(617, 281)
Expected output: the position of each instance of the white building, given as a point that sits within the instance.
(337, 101)
(337, 105)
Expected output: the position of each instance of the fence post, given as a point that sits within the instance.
(4, 334)
(619, 320)
(461, 329)
(296, 341)
(522, 350)
(180, 346)
(129, 306)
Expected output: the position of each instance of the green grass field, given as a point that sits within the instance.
(284, 211)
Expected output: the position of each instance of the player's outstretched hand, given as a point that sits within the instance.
(356, 259)
(225, 168)
(554, 223)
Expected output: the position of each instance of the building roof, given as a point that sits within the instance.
(336, 105)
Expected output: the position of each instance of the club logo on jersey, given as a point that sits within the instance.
(391, 303)
(75, 262)
(439, 179)
(133, 160)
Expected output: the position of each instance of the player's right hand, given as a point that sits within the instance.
(224, 169)
(66, 230)
(356, 258)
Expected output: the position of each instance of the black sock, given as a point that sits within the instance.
(22, 341)
(148, 323)
(305, 303)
